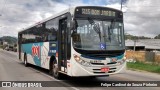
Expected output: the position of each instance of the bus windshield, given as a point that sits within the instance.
(98, 35)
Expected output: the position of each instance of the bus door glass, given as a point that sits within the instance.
(62, 44)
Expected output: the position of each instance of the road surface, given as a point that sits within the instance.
(13, 70)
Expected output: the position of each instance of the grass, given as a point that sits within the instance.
(0, 46)
(144, 66)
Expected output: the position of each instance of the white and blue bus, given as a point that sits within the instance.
(80, 41)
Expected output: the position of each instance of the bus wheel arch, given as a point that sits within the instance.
(53, 67)
(25, 60)
(52, 59)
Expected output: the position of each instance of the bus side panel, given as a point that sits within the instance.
(37, 54)
(45, 58)
(26, 49)
(30, 59)
(32, 51)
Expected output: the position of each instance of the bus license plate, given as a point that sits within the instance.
(106, 69)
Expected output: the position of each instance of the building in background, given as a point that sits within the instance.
(143, 44)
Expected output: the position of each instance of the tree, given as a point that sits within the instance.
(157, 37)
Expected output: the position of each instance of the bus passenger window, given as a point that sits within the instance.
(52, 37)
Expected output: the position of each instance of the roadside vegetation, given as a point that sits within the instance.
(1, 46)
(150, 67)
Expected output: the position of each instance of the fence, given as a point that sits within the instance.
(157, 58)
(143, 56)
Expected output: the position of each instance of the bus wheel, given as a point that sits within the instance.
(55, 72)
(25, 60)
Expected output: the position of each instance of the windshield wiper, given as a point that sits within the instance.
(109, 33)
(96, 28)
(112, 25)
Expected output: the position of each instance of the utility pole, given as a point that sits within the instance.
(121, 5)
(134, 45)
(135, 39)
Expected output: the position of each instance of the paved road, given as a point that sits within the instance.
(13, 70)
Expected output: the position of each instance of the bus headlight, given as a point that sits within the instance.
(77, 58)
(80, 61)
(120, 61)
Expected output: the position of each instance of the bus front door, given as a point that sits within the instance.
(62, 45)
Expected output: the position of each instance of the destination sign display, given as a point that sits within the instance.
(97, 12)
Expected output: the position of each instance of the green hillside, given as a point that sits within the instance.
(9, 39)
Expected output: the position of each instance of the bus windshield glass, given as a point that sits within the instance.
(93, 34)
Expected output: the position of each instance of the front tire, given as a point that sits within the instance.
(54, 70)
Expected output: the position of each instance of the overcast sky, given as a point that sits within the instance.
(141, 17)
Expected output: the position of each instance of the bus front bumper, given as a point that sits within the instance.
(80, 70)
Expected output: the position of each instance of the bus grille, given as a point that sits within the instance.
(103, 63)
(103, 55)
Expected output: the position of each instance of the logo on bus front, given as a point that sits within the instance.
(36, 51)
(102, 46)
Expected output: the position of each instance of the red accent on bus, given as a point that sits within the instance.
(105, 69)
(36, 51)
(56, 54)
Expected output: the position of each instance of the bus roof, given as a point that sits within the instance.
(71, 10)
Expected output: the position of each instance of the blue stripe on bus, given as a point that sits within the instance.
(117, 57)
